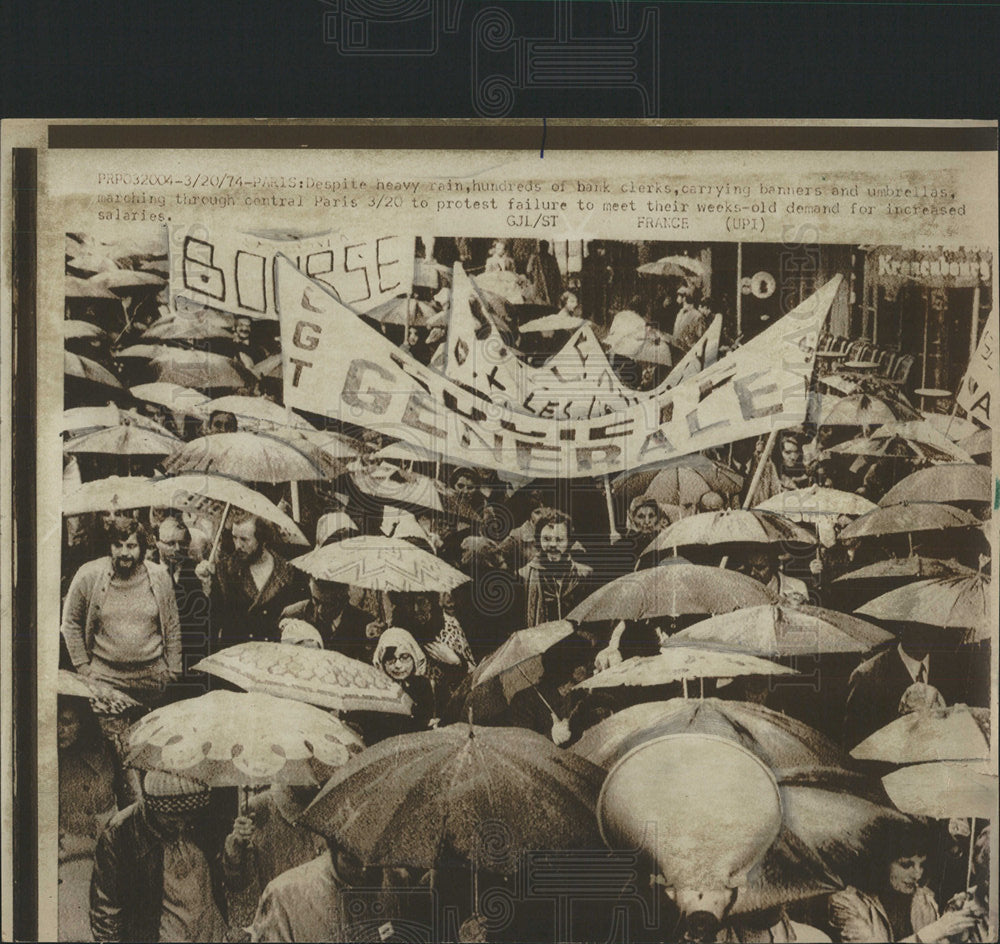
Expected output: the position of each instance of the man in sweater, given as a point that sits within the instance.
(120, 620)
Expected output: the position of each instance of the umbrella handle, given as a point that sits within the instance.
(613, 533)
(972, 846)
(759, 471)
(537, 692)
(218, 536)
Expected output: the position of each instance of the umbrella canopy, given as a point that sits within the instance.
(200, 327)
(681, 266)
(173, 396)
(226, 739)
(635, 339)
(944, 789)
(410, 489)
(105, 699)
(380, 563)
(114, 493)
(905, 568)
(907, 518)
(85, 288)
(255, 412)
(560, 321)
(978, 445)
(86, 264)
(201, 369)
(416, 799)
(318, 677)
(784, 630)
(777, 739)
(962, 602)
(731, 526)
(74, 365)
(403, 311)
(82, 418)
(671, 590)
(808, 504)
(954, 733)
(958, 482)
(680, 663)
(520, 647)
(83, 330)
(252, 457)
(954, 427)
(690, 476)
(124, 440)
(865, 409)
(143, 352)
(128, 281)
(209, 494)
(914, 439)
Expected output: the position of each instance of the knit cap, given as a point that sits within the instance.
(169, 793)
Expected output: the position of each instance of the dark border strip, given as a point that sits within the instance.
(557, 137)
(24, 637)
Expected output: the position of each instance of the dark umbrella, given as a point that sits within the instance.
(953, 483)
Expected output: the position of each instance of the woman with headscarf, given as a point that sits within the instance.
(400, 657)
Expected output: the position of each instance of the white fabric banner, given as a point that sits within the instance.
(979, 385)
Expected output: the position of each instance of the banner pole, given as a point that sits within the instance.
(765, 457)
(613, 534)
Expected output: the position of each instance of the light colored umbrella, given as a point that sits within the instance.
(671, 590)
(639, 341)
(954, 733)
(124, 440)
(979, 444)
(380, 563)
(945, 790)
(80, 418)
(683, 663)
(962, 602)
(416, 799)
(864, 409)
(404, 452)
(905, 568)
(237, 739)
(777, 739)
(682, 266)
(84, 368)
(251, 457)
(201, 369)
(271, 367)
(731, 526)
(74, 330)
(907, 518)
(255, 412)
(808, 504)
(128, 281)
(954, 427)
(143, 352)
(86, 264)
(201, 326)
(409, 488)
(959, 482)
(173, 396)
(85, 288)
(105, 699)
(560, 321)
(402, 311)
(784, 630)
(315, 676)
(210, 494)
(114, 493)
(915, 439)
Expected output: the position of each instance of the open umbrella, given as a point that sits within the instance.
(907, 518)
(252, 457)
(777, 739)
(682, 266)
(865, 409)
(681, 663)
(380, 563)
(81, 418)
(74, 330)
(201, 370)
(411, 489)
(783, 629)
(227, 739)
(173, 396)
(978, 445)
(85, 288)
(914, 439)
(402, 311)
(954, 483)
(74, 365)
(905, 569)
(731, 526)
(945, 789)
(645, 343)
(105, 699)
(691, 476)
(954, 427)
(560, 321)
(143, 352)
(114, 493)
(954, 733)
(128, 281)
(816, 502)
(124, 440)
(484, 794)
(671, 590)
(962, 602)
(255, 412)
(200, 327)
(318, 677)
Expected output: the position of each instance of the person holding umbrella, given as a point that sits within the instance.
(894, 905)
(162, 867)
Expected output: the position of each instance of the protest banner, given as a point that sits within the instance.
(235, 272)
(979, 384)
(760, 387)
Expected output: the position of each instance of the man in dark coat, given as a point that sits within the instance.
(342, 627)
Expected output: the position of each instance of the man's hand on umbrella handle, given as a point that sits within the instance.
(442, 652)
(204, 571)
(560, 730)
(606, 658)
(241, 836)
(375, 629)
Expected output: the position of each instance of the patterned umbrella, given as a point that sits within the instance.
(784, 630)
(252, 457)
(777, 739)
(236, 739)
(681, 663)
(954, 483)
(808, 504)
(380, 563)
(737, 526)
(945, 789)
(954, 733)
(907, 518)
(315, 676)
(485, 794)
(74, 365)
(124, 440)
(672, 590)
(962, 602)
(105, 699)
